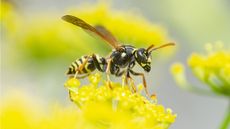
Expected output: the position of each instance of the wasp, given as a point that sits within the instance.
(119, 62)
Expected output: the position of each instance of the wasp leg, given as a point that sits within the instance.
(123, 81)
(107, 73)
(143, 79)
(80, 77)
(132, 82)
(81, 66)
(118, 74)
(75, 75)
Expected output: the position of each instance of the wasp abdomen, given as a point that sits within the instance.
(74, 67)
(88, 64)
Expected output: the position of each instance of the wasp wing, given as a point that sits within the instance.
(97, 31)
(109, 36)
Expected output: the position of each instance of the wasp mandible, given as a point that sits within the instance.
(121, 60)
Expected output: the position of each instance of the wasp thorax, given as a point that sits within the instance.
(143, 58)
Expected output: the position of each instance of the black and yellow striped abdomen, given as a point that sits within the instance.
(92, 62)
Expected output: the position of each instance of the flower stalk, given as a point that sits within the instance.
(226, 121)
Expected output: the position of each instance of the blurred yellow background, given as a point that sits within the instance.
(37, 47)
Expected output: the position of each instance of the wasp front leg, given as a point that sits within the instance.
(143, 79)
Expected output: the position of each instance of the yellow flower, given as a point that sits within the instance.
(19, 110)
(10, 21)
(212, 69)
(101, 108)
(111, 108)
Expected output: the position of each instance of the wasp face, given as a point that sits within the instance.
(143, 58)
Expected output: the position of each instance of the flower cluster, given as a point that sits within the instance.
(111, 108)
(100, 108)
(213, 69)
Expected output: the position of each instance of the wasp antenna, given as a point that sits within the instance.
(162, 46)
(66, 17)
(151, 46)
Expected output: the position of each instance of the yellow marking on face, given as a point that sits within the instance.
(142, 64)
(149, 60)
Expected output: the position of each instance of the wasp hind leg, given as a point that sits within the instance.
(79, 77)
(81, 67)
(143, 79)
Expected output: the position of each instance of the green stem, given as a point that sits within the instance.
(226, 122)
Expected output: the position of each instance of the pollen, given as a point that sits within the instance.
(71, 83)
(108, 107)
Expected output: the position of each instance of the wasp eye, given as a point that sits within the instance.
(141, 55)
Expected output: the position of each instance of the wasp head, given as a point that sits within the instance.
(143, 58)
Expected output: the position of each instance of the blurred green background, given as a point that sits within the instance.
(37, 46)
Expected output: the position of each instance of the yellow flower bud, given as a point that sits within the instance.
(72, 83)
(106, 108)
